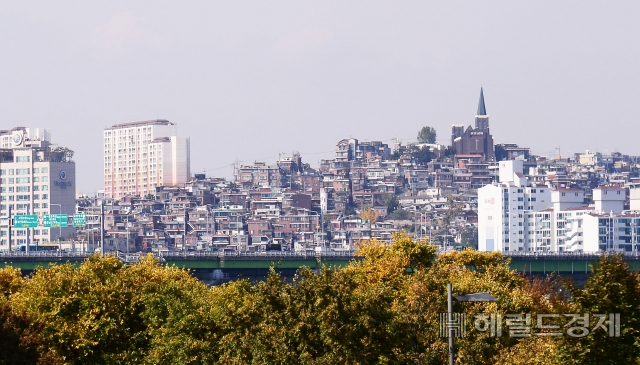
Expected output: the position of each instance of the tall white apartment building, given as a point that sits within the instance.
(140, 156)
(507, 211)
(34, 180)
(514, 215)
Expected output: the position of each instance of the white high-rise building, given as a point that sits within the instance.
(140, 156)
(34, 179)
(514, 215)
(507, 211)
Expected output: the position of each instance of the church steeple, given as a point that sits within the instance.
(481, 109)
(482, 120)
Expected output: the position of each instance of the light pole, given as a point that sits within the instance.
(475, 297)
(59, 215)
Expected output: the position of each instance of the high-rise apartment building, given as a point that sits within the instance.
(34, 179)
(516, 215)
(140, 156)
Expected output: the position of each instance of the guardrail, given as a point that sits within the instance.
(44, 254)
(569, 255)
(181, 255)
(257, 255)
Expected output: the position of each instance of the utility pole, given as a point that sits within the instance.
(184, 235)
(102, 229)
(450, 324)
(10, 228)
(28, 231)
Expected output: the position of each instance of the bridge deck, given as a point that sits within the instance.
(533, 263)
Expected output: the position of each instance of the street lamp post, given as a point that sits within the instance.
(475, 297)
(60, 213)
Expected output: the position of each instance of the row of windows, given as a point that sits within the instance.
(23, 197)
(23, 232)
(44, 170)
(24, 189)
(24, 206)
(24, 180)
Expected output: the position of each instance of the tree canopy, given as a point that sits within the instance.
(427, 135)
(382, 308)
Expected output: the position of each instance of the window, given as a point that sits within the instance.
(45, 205)
(35, 171)
(44, 179)
(45, 188)
(36, 179)
(11, 181)
(22, 172)
(23, 188)
(44, 170)
(22, 158)
(22, 180)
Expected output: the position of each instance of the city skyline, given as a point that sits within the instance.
(249, 83)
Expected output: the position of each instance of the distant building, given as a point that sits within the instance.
(352, 150)
(140, 156)
(260, 175)
(507, 211)
(33, 179)
(511, 151)
(474, 141)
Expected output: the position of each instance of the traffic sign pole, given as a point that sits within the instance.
(9, 228)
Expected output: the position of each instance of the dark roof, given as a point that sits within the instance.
(143, 123)
(568, 189)
(481, 108)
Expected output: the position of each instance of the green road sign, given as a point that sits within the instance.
(25, 221)
(54, 220)
(79, 220)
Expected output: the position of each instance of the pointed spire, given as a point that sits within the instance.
(481, 109)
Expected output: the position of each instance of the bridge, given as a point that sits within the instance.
(530, 262)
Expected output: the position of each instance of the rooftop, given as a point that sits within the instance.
(140, 124)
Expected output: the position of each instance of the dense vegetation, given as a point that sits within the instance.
(383, 309)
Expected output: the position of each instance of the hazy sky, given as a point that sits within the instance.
(249, 80)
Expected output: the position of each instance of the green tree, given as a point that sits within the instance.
(469, 237)
(427, 135)
(65, 153)
(422, 155)
(611, 288)
(391, 201)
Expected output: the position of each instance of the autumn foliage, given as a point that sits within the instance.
(383, 308)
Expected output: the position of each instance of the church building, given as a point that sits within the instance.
(474, 141)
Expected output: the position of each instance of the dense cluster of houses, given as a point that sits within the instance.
(291, 206)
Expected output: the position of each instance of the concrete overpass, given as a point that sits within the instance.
(533, 263)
